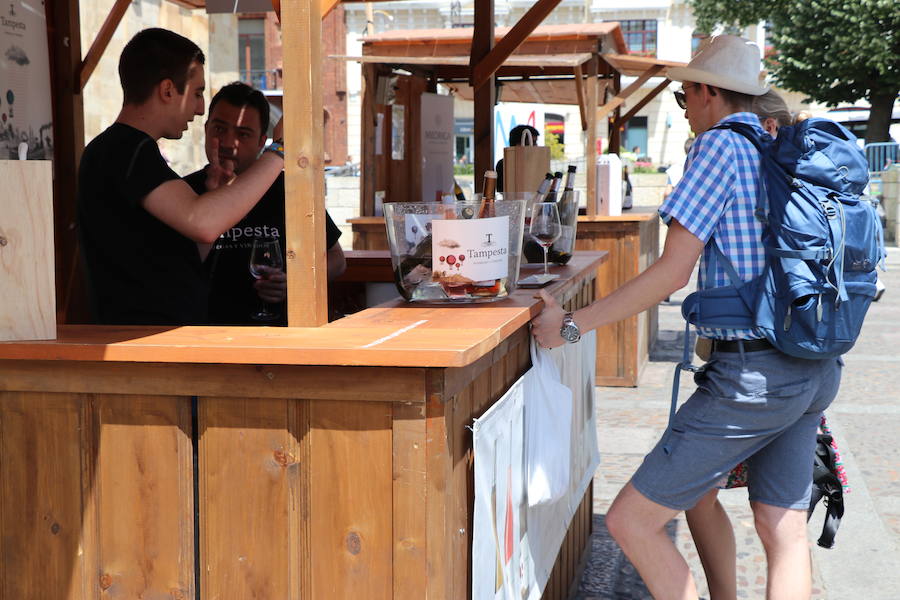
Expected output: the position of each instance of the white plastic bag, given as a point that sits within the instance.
(548, 429)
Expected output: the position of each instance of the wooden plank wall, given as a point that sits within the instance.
(296, 497)
(27, 289)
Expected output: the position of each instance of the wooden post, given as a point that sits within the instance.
(590, 150)
(303, 164)
(64, 38)
(615, 136)
(368, 129)
(482, 42)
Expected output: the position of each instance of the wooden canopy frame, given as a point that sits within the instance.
(489, 53)
(553, 64)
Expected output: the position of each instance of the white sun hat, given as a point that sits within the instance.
(729, 62)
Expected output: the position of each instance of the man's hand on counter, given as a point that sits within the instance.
(545, 327)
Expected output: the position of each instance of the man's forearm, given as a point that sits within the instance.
(225, 206)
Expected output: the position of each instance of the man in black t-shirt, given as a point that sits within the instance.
(236, 133)
(138, 221)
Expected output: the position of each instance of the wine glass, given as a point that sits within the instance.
(545, 226)
(266, 252)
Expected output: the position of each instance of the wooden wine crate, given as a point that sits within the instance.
(27, 289)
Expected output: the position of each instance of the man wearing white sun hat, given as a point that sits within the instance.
(752, 402)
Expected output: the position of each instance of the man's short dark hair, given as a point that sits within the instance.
(152, 56)
(516, 133)
(239, 95)
(742, 102)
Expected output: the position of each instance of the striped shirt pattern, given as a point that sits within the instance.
(717, 196)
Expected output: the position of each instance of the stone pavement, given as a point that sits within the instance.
(865, 419)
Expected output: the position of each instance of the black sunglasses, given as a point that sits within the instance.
(680, 98)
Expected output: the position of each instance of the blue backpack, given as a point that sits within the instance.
(822, 238)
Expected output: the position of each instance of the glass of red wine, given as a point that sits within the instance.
(265, 255)
(545, 226)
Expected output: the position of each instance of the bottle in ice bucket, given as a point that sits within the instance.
(531, 248)
(487, 197)
(485, 211)
(554, 187)
(568, 211)
(466, 212)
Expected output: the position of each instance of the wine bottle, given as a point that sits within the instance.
(531, 248)
(560, 252)
(487, 196)
(554, 187)
(542, 190)
(487, 288)
(460, 196)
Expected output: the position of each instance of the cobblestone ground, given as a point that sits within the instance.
(865, 419)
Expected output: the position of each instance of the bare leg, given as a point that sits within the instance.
(714, 537)
(638, 525)
(783, 535)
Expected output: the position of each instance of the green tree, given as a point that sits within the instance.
(557, 150)
(832, 50)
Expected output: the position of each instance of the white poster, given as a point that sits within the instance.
(500, 546)
(507, 116)
(470, 250)
(437, 146)
(26, 112)
(514, 546)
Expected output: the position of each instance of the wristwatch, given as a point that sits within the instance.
(569, 330)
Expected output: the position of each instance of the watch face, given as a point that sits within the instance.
(570, 333)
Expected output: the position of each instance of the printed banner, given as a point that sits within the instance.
(437, 146)
(514, 547)
(26, 114)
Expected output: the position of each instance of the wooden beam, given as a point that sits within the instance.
(101, 41)
(615, 136)
(590, 150)
(64, 38)
(369, 127)
(620, 97)
(620, 122)
(489, 63)
(482, 42)
(303, 164)
(326, 6)
(579, 92)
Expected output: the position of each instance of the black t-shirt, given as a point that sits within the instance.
(140, 270)
(232, 296)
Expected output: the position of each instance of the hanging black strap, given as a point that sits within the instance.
(827, 487)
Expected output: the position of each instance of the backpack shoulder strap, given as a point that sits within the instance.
(762, 197)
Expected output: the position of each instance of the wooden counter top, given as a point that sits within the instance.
(393, 334)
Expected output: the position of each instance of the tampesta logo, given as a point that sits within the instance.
(11, 23)
(238, 233)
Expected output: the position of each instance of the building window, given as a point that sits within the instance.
(640, 36)
(697, 42)
(252, 53)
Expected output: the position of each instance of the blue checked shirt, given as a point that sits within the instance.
(717, 197)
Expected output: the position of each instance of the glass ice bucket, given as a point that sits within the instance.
(444, 253)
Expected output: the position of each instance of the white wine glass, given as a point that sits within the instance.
(545, 226)
(266, 254)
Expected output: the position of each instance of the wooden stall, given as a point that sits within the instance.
(632, 241)
(212, 462)
(579, 64)
(315, 461)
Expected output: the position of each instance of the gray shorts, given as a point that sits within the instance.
(763, 408)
